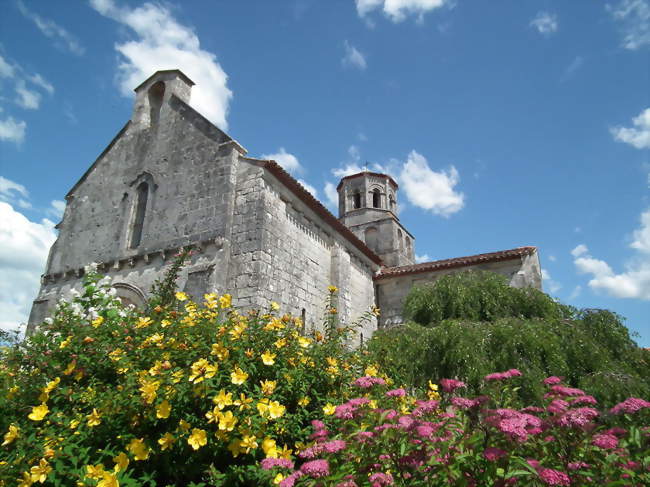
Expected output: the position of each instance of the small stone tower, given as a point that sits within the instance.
(368, 207)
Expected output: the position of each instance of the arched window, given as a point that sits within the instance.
(356, 200)
(400, 242)
(376, 198)
(156, 95)
(142, 193)
(408, 246)
(370, 236)
(391, 200)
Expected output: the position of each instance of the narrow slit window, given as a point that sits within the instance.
(357, 200)
(303, 318)
(156, 95)
(142, 194)
(376, 199)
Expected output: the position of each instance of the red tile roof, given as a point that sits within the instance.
(293, 185)
(437, 265)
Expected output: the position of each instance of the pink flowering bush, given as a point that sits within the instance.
(390, 437)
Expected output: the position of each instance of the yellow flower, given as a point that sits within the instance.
(26, 480)
(181, 296)
(148, 389)
(184, 425)
(222, 399)
(275, 306)
(73, 424)
(285, 452)
(280, 343)
(329, 409)
(11, 434)
(372, 370)
(163, 410)
(268, 358)
(166, 441)
(213, 415)
(39, 412)
(97, 321)
(41, 471)
(235, 448)
(304, 342)
(276, 410)
(108, 480)
(274, 324)
(177, 376)
(70, 368)
(220, 351)
(277, 479)
(65, 342)
(248, 443)
(197, 439)
(432, 386)
(332, 289)
(227, 421)
(165, 323)
(243, 402)
(238, 330)
(94, 471)
(116, 354)
(268, 386)
(94, 418)
(202, 369)
(270, 448)
(373, 404)
(225, 301)
(121, 462)
(376, 311)
(139, 449)
(238, 377)
(143, 322)
(303, 401)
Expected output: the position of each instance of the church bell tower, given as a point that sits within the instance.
(368, 207)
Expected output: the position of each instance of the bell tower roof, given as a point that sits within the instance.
(366, 174)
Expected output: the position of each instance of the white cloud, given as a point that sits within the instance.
(428, 189)
(331, 194)
(572, 68)
(56, 209)
(634, 282)
(6, 69)
(637, 136)
(10, 189)
(579, 250)
(38, 80)
(553, 285)
(27, 98)
(422, 258)
(575, 293)
(51, 29)
(309, 187)
(545, 23)
(12, 130)
(552, 258)
(286, 160)
(353, 57)
(398, 10)
(163, 43)
(24, 246)
(634, 17)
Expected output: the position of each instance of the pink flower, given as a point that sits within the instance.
(347, 483)
(464, 403)
(567, 391)
(333, 446)
(315, 468)
(630, 405)
(514, 373)
(497, 376)
(584, 400)
(269, 463)
(493, 454)
(424, 431)
(380, 479)
(557, 406)
(425, 407)
(553, 477)
(515, 424)
(405, 422)
(396, 393)
(578, 417)
(450, 385)
(291, 479)
(552, 380)
(368, 381)
(605, 441)
(344, 411)
(578, 465)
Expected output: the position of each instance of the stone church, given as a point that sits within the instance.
(170, 178)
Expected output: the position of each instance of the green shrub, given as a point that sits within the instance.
(467, 325)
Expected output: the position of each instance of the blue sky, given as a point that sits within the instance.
(506, 123)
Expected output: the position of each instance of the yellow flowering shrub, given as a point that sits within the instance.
(182, 393)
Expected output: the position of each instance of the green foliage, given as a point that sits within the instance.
(478, 296)
(469, 325)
